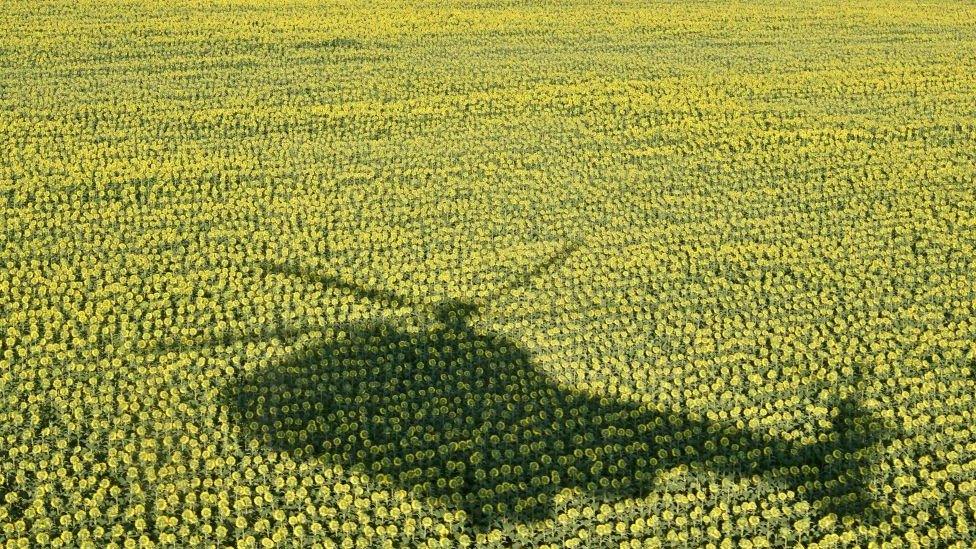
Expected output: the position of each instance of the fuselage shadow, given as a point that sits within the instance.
(467, 419)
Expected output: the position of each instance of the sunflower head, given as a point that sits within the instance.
(452, 312)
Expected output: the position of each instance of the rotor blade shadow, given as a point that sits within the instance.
(383, 297)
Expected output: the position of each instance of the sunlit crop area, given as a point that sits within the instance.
(488, 273)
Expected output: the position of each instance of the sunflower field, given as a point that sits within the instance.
(499, 273)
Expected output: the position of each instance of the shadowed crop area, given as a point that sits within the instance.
(466, 419)
(488, 273)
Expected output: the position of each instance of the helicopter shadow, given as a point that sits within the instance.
(464, 417)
